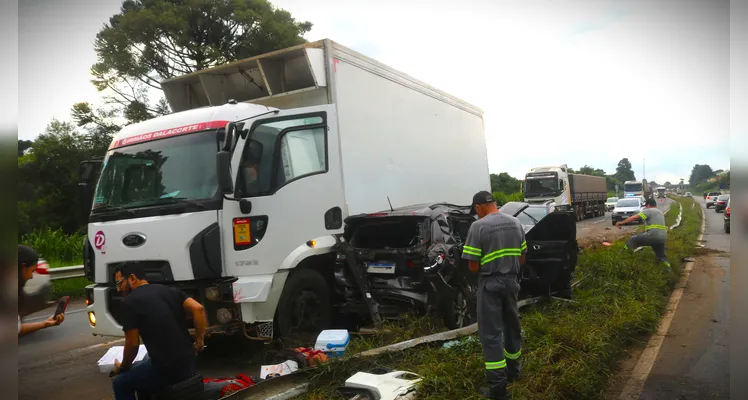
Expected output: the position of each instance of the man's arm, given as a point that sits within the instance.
(198, 318)
(523, 244)
(632, 218)
(35, 326)
(132, 342)
(472, 250)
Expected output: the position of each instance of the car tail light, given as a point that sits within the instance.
(410, 264)
(42, 268)
(727, 211)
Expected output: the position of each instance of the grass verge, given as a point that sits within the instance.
(570, 350)
(73, 287)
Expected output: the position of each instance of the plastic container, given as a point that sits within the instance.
(333, 342)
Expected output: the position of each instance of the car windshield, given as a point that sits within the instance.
(532, 214)
(632, 187)
(148, 173)
(612, 199)
(629, 203)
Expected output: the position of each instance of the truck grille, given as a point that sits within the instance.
(156, 271)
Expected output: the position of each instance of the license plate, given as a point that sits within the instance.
(379, 267)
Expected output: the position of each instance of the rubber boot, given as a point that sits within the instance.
(513, 370)
(496, 385)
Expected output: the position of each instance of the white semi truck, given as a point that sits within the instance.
(637, 189)
(585, 195)
(240, 195)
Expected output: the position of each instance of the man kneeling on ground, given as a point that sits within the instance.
(655, 231)
(157, 314)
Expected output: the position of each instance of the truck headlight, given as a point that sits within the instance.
(92, 318)
(212, 293)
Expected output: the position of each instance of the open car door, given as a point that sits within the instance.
(552, 253)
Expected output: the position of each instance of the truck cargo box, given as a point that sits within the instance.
(399, 137)
(587, 184)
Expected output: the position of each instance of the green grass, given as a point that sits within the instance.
(73, 287)
(60, 250)
(570, 350)
(503, 198)
(55, 246)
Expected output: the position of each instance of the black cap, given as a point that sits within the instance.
(651, 202)
(482, 197)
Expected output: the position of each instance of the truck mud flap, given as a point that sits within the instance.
(360, 279)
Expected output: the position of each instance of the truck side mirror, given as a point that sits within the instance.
(223, 164)
(227, 140)
(86, 173)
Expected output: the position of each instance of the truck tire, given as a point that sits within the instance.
(304, 306)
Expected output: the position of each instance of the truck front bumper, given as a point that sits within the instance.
(100, 319)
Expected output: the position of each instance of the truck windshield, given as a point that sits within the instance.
(539, 187)
(632, 187)
(151, 173)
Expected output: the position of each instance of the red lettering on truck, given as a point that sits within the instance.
(180, 130)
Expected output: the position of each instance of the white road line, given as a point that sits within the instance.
(635, 384)
(597, 222)
(97, 346)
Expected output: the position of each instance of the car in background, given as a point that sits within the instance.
(38, 290)
(727, 217)
(721, 203)
(410, 259)
(688, 194)
(610, 204)
(625, 208)
(711, 199)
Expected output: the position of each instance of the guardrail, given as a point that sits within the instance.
(66, 272)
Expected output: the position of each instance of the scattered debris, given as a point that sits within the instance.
(379, 384)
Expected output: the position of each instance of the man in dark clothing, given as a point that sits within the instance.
(157, 314)
(495, 248)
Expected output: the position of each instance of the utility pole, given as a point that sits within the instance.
(644, 170)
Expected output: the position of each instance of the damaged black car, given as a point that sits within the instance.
(410, 259)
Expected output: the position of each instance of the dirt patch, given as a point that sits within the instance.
(594, 239)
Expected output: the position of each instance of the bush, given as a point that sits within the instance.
(57, 247)
(503, 198)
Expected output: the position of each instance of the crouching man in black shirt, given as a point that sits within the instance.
(157, 314)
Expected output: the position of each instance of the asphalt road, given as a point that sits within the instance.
(694, 360)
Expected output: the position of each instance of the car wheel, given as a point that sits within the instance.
(727, 228)
(614, 222)
(462, 310)
(304, 306)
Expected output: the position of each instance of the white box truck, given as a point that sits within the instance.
(239, 196)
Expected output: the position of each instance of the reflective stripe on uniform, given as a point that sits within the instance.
(473, 251)
(508, 252)
(524, 246)
(496, 365)
(643, 217)
(512, 356)
(648, 227)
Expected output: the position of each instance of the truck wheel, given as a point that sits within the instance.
(304, 306)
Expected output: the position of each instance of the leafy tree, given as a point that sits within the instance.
(668, 184)
(152, 40)
(700, 173)
(624, 172)
(23, 145)
(504, 183)
(48, 178)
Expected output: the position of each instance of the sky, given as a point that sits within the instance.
(560, 82)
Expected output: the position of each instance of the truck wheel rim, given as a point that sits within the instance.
(307, 313)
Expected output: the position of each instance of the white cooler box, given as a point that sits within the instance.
(333, 342)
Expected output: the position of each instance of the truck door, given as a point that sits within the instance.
(288, 168)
